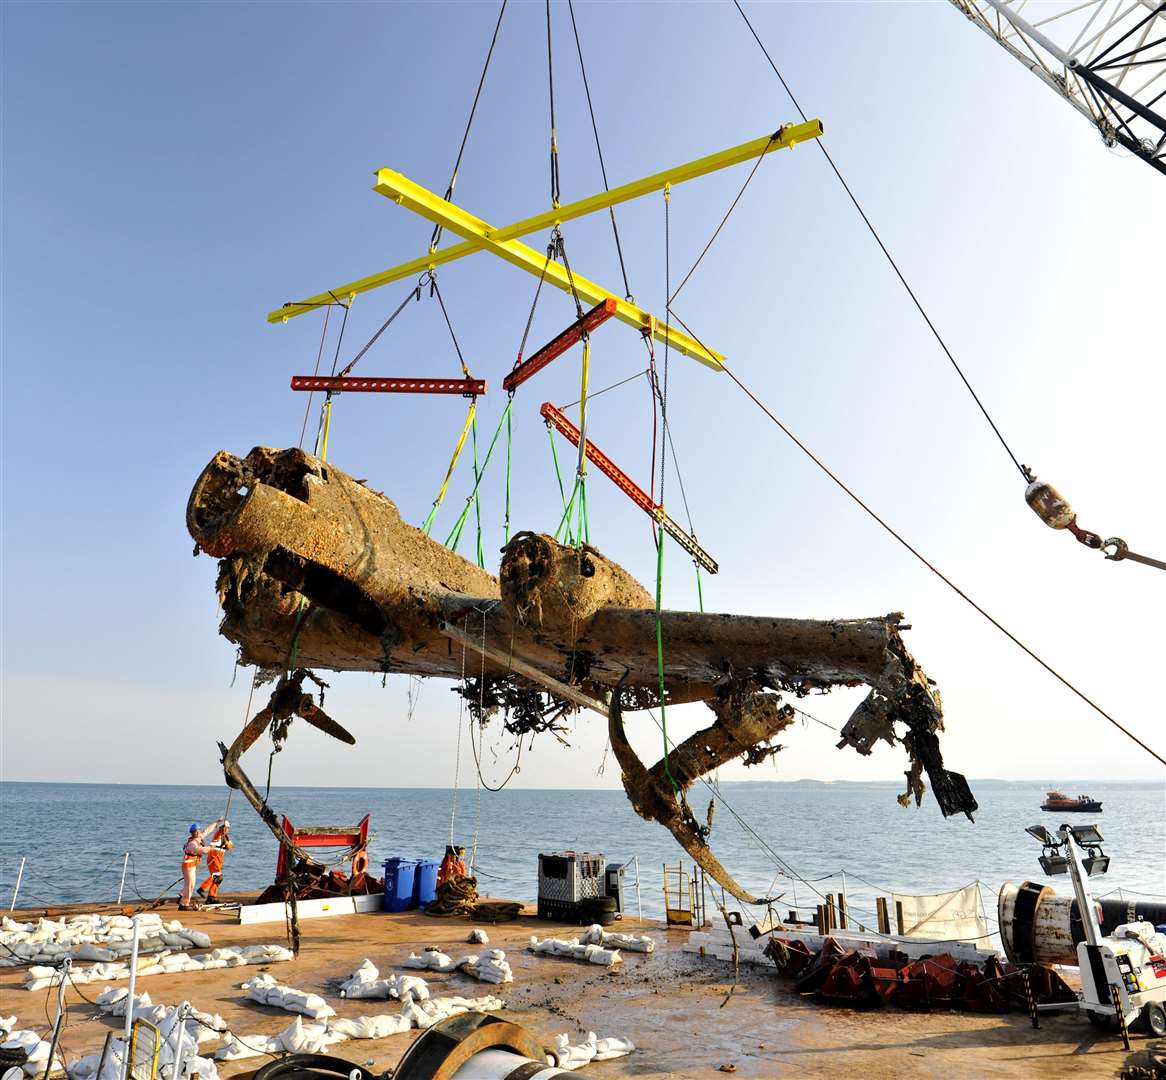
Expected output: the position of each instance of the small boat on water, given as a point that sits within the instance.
(1083, 804)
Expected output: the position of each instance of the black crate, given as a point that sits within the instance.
(562, 911)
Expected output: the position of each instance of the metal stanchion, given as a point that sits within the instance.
(121, 888)
(130, 995)
(19, 878)
(66, 963)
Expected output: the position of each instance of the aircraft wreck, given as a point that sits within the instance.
(318, 571)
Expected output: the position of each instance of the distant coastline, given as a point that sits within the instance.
(1043, 781)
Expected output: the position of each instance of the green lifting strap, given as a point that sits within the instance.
(558, 472)
(582, 530)
(294, 652)
(477, 494)
(451, 541)
(568, 510)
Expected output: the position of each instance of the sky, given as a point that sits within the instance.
(172, 172)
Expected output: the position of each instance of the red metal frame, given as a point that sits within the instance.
(376, 385)
(321, 836)
(598, 315)
(630, 488)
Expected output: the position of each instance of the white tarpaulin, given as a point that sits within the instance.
(950, 916)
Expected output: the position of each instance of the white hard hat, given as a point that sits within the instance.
(226, 824)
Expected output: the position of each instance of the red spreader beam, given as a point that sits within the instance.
(560, 344)
(350, 384)
(630, 488)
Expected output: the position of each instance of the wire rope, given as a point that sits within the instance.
(315, 372)
(732, 207)
(627, 289)
(939, 573)
(435, 239)
(883, 247)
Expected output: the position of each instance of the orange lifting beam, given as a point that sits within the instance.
(351, 384)
(630, 488)
(554, 348)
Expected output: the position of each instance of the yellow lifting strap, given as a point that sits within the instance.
(325, 424)
(581, 468)
(457, 450)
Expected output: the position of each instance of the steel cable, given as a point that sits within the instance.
(939, 573)
(435, 239)
(878, 239)
(627, 289)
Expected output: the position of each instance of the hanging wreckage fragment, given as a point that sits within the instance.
(318, 571)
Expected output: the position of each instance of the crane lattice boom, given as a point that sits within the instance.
(1107, 58)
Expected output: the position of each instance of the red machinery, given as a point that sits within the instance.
(354, 837)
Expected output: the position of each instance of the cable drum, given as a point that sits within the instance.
(1038, 926)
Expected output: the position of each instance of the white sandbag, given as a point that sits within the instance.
(370, 1027)
(441, 1008)
(13, 1074)
(416, 1016)
(230, 957)
(364, 975)
(478, 937)
(235, 1047)
(395, 986)
(431, 960)
(264, 989)
(553, 946)
(412, 985)
(37, 1050)
(491, 967)
(301, 1038)
(576, 950)
(596, 954)
(87, 951)
(572, 1057)
(596, 935)
(22, 1040)
(613, 1047)
(265, 954)
(7, 1023)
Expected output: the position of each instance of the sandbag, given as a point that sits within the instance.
(596, 935)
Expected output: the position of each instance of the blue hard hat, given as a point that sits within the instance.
(195, 827)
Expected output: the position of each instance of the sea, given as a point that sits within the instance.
(797, 840)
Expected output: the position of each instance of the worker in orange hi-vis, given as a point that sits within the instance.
(192, 852)
(220, 844)
(453, 865)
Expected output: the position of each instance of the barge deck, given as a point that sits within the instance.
(672, 1004)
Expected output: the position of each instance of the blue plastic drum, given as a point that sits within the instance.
(425, 882)
(399, 878)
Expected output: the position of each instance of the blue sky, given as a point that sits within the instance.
(171, 172)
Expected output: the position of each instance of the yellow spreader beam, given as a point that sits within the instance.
(478, 235)
(433, 207)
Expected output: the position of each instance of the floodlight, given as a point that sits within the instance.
(1039, 832)
(1054, 864)
(1096, 862)
(1086, 834)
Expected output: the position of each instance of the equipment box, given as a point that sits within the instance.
(567, 880)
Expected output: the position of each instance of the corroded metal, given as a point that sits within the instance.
(319, 571)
